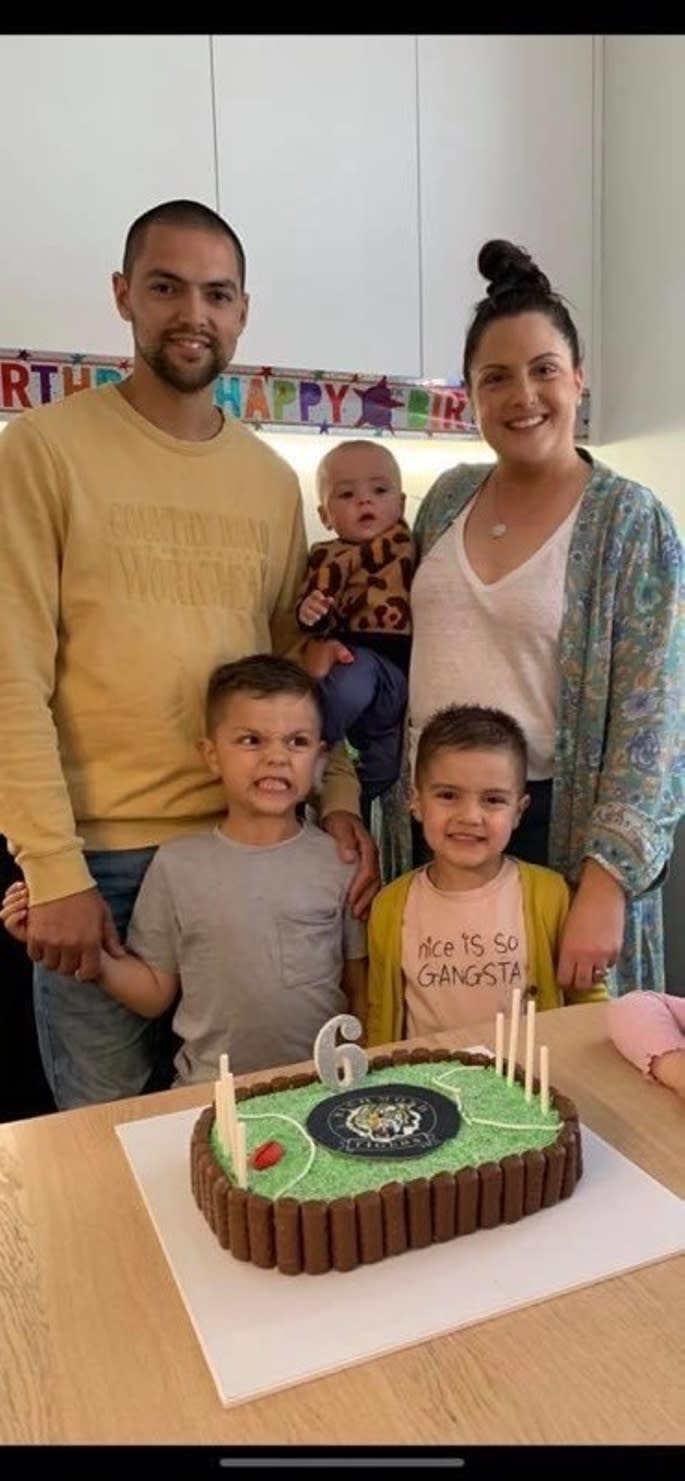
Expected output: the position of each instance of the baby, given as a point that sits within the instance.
(356, 592)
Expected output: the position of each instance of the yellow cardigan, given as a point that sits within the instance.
(546, 901)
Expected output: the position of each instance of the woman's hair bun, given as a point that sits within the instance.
(508, 268)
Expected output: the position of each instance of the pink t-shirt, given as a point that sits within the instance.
(463, 951)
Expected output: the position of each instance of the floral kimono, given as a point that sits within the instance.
(619, 767)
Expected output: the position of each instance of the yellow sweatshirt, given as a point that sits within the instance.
(546, 900)
(131, 563)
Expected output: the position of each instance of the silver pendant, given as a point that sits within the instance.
(498, 530)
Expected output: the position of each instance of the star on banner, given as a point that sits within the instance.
(323, 427)
(266, 372)
(76, 359)
(377, 406)
(23, 354)
(124, 365)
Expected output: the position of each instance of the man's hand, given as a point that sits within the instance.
(67, 935)
(321, 654)
(354, 843)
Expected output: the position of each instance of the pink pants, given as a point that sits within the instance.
(644, 1025)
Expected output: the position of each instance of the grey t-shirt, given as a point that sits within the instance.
(257, 936)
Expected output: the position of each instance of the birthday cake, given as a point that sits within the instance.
(426, 1146)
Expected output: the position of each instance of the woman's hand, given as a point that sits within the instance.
(354, 843)
(592, 938)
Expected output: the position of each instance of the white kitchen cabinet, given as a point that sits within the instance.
(506, 150)
(361, 212)
(96, 129)
(317, 167)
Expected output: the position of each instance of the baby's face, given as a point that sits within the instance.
(361, 495)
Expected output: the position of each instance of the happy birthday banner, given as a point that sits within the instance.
(320, 400)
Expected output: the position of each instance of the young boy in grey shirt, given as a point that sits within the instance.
(246, 926)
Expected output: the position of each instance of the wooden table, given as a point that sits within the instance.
(96, 1346)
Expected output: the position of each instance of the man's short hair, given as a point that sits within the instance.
(181, 213)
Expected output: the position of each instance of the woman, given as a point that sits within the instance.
(552, 587)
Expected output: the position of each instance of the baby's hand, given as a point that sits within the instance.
(314, 607)
(669, 1068)
(15, 910)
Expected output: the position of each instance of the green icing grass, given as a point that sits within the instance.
(337, 1175)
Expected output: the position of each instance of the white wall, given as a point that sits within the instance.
(316, 143)
(643, 263)
(506, 129)
(95, 130)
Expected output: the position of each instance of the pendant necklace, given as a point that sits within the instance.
(499, 528)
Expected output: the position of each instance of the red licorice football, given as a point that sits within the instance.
(266, 1155)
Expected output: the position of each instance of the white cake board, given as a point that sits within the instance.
(261, 1331)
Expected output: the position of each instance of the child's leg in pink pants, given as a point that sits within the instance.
(644, 1025)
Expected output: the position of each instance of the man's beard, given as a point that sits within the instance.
(184, 378)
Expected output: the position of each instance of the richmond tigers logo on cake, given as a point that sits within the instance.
(384, 1121)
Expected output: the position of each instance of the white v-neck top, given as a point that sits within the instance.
(490, 644)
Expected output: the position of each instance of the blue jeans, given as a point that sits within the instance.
(93, 1049)
(364, 702)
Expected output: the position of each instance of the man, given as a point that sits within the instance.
(145, 539)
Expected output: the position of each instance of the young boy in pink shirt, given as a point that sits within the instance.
(448, 943)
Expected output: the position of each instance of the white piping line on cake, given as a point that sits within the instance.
(455, 1092)
(278, 1116)
(509, 1125)
(472, 1120)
